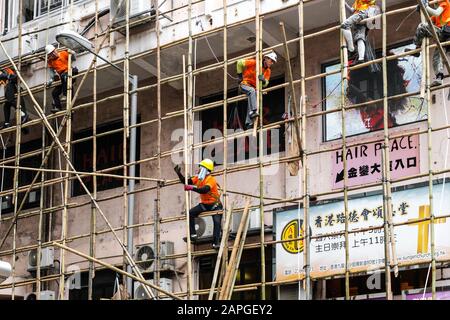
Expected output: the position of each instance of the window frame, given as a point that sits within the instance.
(230, 93)
(324, 94)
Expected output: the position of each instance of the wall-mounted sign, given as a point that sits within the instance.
(364, 163)
(366, 249)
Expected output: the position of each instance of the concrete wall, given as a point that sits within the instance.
(280, 185)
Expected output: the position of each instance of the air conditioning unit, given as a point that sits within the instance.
(44, 295)
(164, 283)
(144, 255)
(47, 257)
(204, 227)
(254, 223)
(138, 10)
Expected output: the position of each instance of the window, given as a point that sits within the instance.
(31, 9)
(25, 176)
(103, 286)
(109, 154)
(366, 84)
(242, 148)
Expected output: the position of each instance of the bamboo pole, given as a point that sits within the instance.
(159, 137)
(260, 108)
(344, 73)
(222, 250)
(93, 224)
(387, 176)
(292, 87)
(430, 165)
(225, 291)
(305, 173)
(190, 122)
(224, 191)
(17, 148)
(186, 194)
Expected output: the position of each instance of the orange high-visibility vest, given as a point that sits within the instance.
(444, 18)
(249, 74)
(213, 196)
(60, 64)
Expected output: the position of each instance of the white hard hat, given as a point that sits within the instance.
(271, 55)
(49, 49)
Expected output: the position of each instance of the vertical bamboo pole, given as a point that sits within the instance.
(158, 190)
(17, 148)
(305, 174)
(93, 227)
(387, 268)
(344, 75)
(387, 178)
(225, 114)
(430, 170)
(186, 171)
(190, 137)
(43, 177)
(66, 178)
(259, 107)
(126, 235)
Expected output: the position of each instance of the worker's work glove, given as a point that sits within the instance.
(177, 169)
(3, 76)
(49, 83)
(261, 78)
(188, 188)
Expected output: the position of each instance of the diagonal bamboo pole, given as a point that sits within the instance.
(225, 233)
(291, 82)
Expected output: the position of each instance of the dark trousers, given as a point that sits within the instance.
(11, 101)
(217, 219)
(61, 89)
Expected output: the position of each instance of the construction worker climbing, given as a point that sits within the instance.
(441, 23)
(204, 184)
(246, 70)
(353, 30)
(8, 78)
(58, 64)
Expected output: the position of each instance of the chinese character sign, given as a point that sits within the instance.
(366, 249)
(364, 161)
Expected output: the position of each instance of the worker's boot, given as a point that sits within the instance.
(55, 109)
(25, 118)
(5, 125)
(439, 80)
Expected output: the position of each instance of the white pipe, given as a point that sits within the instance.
(5, 270)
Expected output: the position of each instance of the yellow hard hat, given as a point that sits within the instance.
(208, 164)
